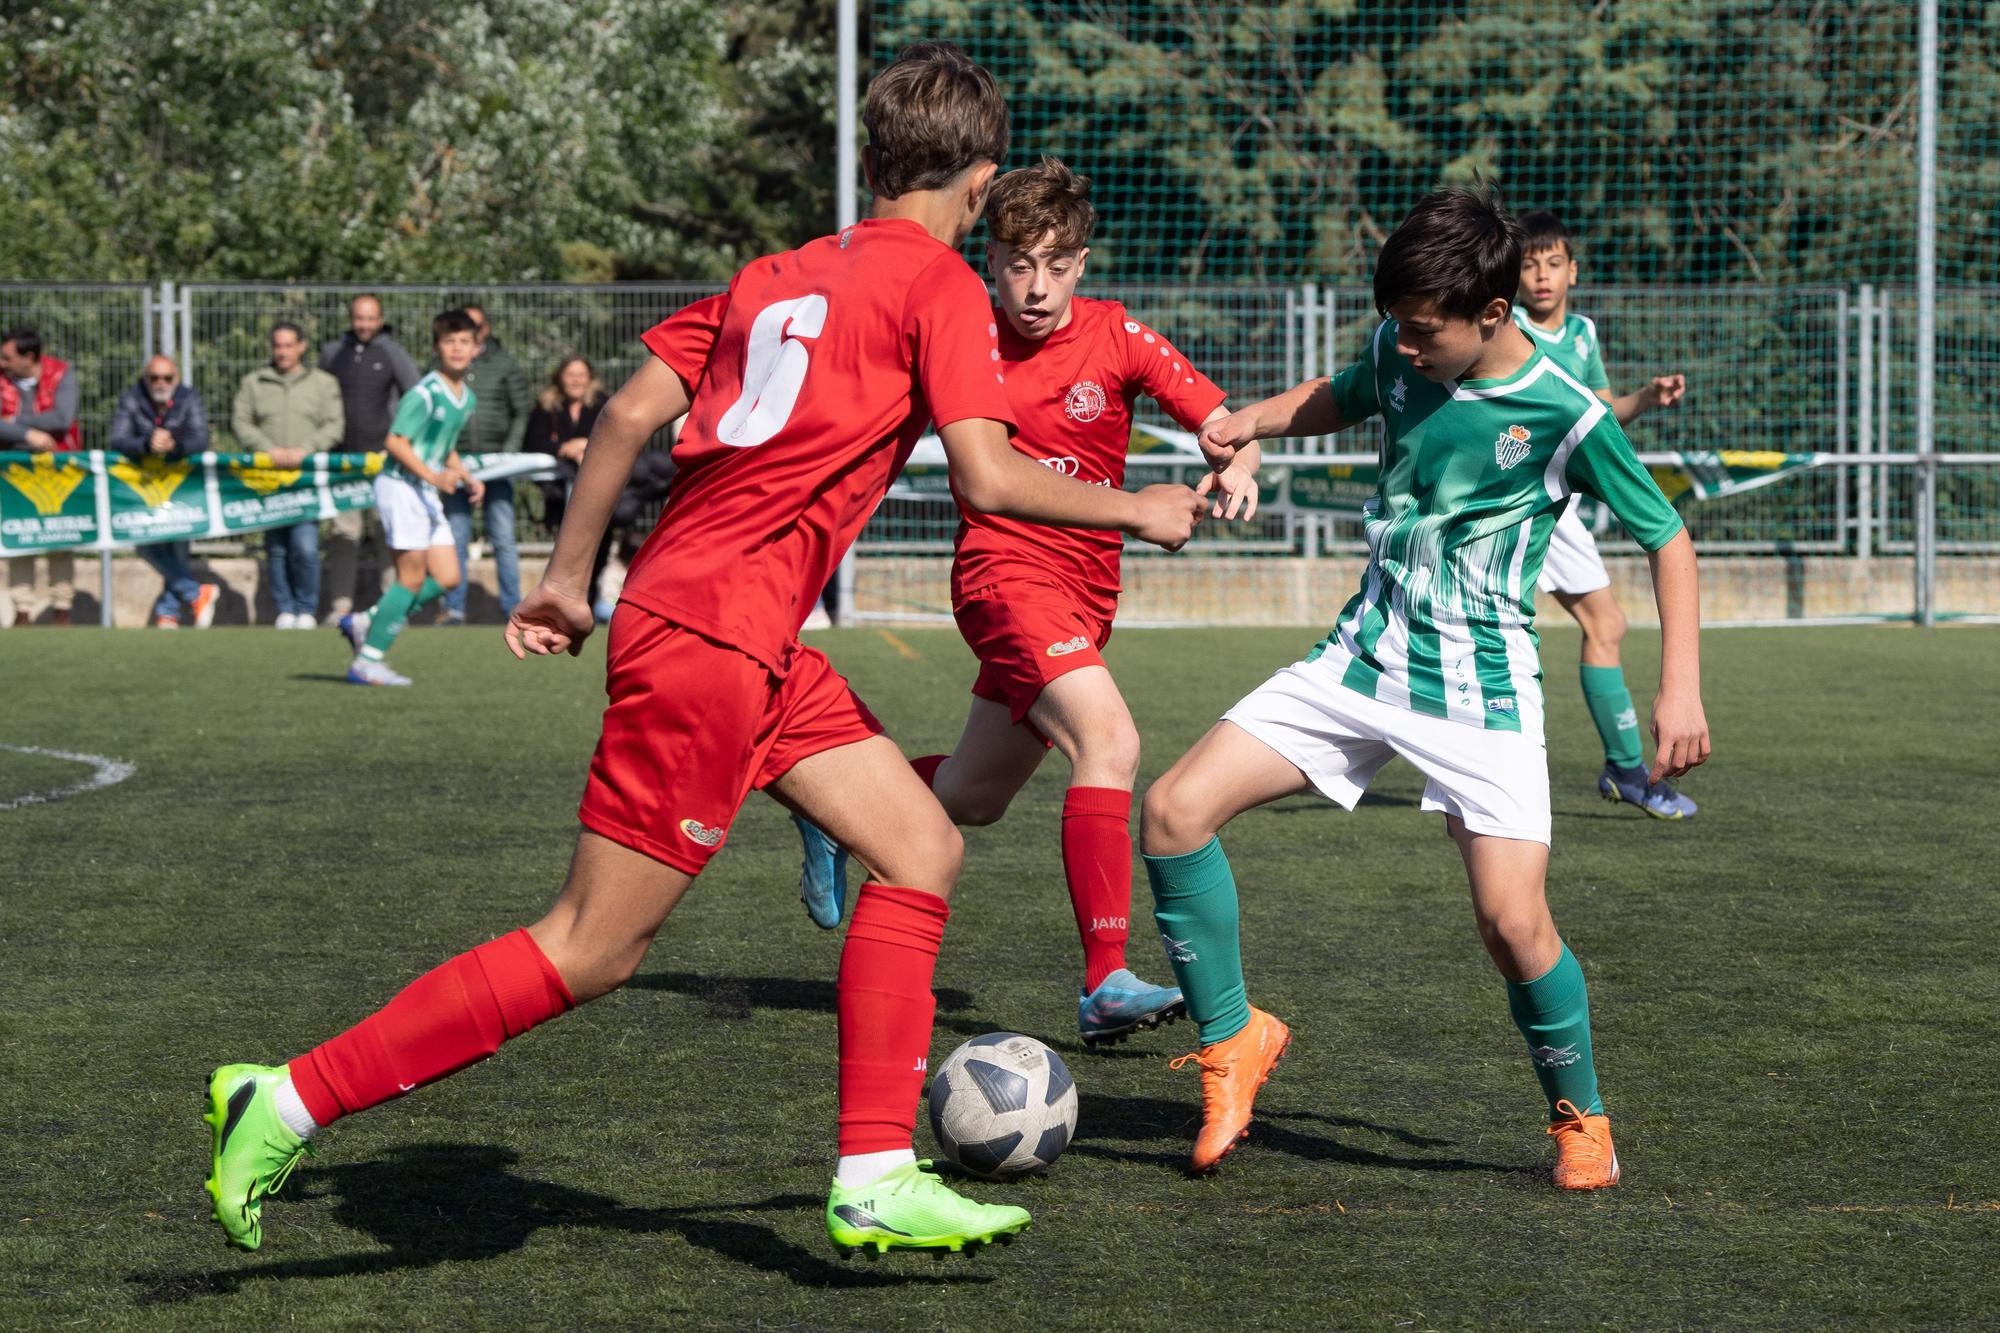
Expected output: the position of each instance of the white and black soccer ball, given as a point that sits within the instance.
(1002, 1104)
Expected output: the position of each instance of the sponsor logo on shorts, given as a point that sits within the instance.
(1503, 704)
(702, 833)
(1084, 401)
(1177, 950)
(1068, 646)
(1551, 1057)
(1397, 392)
(1511, 447)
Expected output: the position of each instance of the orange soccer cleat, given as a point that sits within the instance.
(1231, 1072)
(1585, 1159)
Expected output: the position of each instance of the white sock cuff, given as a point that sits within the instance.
(292, 1110)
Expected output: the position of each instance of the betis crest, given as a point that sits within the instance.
(1511, 447)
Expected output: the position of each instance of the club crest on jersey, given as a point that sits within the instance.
(1511, 447)
(1397, 391)
(1068, 646)
(1084, 401)
(702, 833)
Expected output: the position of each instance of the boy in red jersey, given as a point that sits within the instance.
(1035, 604)
(805, 387)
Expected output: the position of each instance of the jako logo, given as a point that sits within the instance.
(702, 833)
(1068, 646)
(1108, 923)
(1084, 401)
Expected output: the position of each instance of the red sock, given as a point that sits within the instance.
(886, 1008)
(1097, 861)
(927, 767)
(452, 1016)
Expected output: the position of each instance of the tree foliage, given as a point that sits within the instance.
(408, 139)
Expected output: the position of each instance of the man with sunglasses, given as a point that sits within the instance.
(159, 417)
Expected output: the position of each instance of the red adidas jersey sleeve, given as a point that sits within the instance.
(957, 353)
(1164, 374)
(684, 339)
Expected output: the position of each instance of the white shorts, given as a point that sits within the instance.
(412, 514)
(1572, 565)
(1497, 782)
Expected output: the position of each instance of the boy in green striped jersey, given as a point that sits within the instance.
(1574, 573)
(1434, 659)
(423, 463)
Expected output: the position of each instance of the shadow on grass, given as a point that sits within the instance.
(1153, 1119)
(728, 998)
(438, 1203)
(320, 677)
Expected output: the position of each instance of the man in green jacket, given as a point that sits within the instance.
(290, 411)
(499, 422)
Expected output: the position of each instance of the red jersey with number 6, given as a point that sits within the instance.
(1073, 393)
(812, 378)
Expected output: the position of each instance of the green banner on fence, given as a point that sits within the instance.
(104, 500)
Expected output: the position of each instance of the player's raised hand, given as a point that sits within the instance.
(1236, 483)
(1666, 390)
(1222, 437)
(548, 621)
(1167, 515)
(1680, 736)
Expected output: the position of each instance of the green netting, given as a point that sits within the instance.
(1687, 141)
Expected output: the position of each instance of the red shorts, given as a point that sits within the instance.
(694, 726)
(1026, 635)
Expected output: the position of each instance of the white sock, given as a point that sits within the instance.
(863, 1168)
(292, 1110)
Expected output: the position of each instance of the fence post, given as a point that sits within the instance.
(1864, 421)
(847, 201)
(1927, 131)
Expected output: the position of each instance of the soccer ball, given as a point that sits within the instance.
(1002, 1104)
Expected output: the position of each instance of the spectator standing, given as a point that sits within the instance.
(560, 426)
(38, 398)
(159, 417)
(290, 411)
(499, 424)
(374, 373)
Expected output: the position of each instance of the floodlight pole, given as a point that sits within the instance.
(846, 205)
(1926, 441)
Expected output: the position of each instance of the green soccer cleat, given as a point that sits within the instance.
(911, 1209)
(254, 1152)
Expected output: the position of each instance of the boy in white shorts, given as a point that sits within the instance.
(1574, 572)
(1434, 659)
(423, 463)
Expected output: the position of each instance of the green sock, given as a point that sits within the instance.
(1553, 1013)
(430, 592)
(1194, 904)
(386, 621)
(1611, 709)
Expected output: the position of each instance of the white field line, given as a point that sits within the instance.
(104, 773)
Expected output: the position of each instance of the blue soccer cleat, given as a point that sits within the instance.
(1658, 799)
(822, 875)
(1122, 1005)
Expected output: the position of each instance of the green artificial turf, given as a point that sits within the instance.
(1795, 1001)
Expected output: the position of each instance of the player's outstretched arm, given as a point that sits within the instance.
(991, 477)
(1304, 409)
(1661, 391)
(555, 617)
(1680, 728)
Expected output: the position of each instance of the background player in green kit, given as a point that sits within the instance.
(1434, 659)
(423, 462)
(1574, 572)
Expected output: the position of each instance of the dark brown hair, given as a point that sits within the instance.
(1542, 230)
(930, 116)
(1458, 247)
(452, 321)
(1047, 199)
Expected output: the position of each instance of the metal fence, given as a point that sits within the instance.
(105, 330)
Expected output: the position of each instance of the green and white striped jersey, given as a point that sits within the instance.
(1474, 476)
(1574, 346)
(431, 417)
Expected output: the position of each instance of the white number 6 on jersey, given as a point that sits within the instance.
(774, 370)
